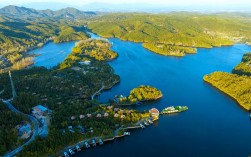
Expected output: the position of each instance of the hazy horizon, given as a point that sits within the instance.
(129, 5)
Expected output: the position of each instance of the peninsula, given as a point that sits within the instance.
(236, 85)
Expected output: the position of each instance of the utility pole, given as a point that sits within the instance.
(12, 86)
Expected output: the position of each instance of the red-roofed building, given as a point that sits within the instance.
(154, 113)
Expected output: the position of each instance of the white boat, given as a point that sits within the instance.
(146, 123)
(87, 145)
(127, 133)
(93, 142)
(142, 126)
(150, 121)
(78, 148)
(71, 152)
(100, 141)
(66, 154)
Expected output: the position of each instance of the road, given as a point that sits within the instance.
(35, 131)
(98, 91)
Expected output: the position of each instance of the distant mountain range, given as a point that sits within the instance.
(61, 10)
(47, 5)
(28, 12)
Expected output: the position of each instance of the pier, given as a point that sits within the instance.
(92, 142)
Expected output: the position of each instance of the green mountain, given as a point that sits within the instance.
(175, 33)
(22, 29)
(70, 13)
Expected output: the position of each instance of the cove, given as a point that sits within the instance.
(52, 54)
(214, 125)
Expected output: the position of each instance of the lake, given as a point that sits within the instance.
(214, 126)
(52, 54)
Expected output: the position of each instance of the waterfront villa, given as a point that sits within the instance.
(154, 113)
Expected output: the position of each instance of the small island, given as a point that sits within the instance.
(140, 94)
(172, 109)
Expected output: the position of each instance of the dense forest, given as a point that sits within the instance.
(67, 34)
(142, 93)
(98, 49)
(244, 68)
(236, 85)
(174, 33)
(8, 129)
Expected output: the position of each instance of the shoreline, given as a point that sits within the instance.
(82, 146)
(227, 94)
(142, 101)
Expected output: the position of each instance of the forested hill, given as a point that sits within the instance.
(22, 29)
(68, 13)
(182, 29)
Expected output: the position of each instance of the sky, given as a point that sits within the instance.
(162, 2)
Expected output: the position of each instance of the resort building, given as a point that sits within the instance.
(40, 111)
(154, 113)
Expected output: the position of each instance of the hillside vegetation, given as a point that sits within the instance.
(236, 85)
(23, 29)
(8, 132)
(69, 34)
(168, 34)
(244, 68)
(142, 93)
(98, 49)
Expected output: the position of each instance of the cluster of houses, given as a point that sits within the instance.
(118, 114)
(89, 115)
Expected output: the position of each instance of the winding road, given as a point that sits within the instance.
(35, 131)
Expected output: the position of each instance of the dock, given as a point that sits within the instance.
(92, 142)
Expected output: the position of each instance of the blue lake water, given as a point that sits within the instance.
(52, 54)
(214, 126)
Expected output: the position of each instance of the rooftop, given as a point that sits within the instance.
(41, 108)
(154, 111)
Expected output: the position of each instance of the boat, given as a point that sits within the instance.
(172, 109)
(71, 152)
(93, 142)
(101, 141)
(78, 148)
(150, 121)
(146, 123)
(66, 154)
(127, 133)
(142, 126)
(87, 145)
